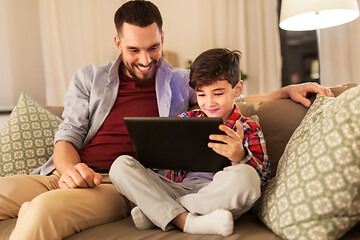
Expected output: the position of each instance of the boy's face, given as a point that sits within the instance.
(141, 50)
(217, 99)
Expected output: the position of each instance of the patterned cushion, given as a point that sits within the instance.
(316, 191)
(26, 140)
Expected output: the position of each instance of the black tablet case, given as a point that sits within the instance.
(176, 143)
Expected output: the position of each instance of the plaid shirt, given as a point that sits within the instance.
(253, 142)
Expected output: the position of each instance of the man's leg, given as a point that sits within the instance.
(60, 213)
(16, 190)
(236, 189)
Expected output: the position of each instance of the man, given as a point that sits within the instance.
(93, 134)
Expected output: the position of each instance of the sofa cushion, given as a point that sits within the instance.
(316, 191)
(26, 139)
(279, 119)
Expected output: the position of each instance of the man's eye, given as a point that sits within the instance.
(218, 94)
(134, 50)
(153, 49)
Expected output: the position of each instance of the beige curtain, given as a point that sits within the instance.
(74, 34)
(21, 64)
(51, 39)
(250, 26)
(340, 54)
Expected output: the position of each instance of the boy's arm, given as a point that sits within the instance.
(255, 150)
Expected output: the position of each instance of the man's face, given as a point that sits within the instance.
(141, 50)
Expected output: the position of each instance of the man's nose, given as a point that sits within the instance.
(144, 58)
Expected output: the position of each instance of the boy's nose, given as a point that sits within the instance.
(210, 101)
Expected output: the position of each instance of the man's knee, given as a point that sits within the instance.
(45, 206)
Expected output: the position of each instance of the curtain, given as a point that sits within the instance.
(77, 33)
(21, 63)
(74, 34)
(51, 39)
(250, 26)
(340, 54)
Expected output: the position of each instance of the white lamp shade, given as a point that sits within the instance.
(302, 15)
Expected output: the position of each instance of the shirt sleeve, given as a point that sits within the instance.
(75, 126)
(255, 150)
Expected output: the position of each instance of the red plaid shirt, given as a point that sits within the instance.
(253, 142)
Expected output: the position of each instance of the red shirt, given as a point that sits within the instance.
(134, 99)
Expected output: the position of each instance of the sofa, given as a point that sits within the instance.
(278, 120)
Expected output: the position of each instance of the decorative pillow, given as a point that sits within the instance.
(316, 191)
(26, 140)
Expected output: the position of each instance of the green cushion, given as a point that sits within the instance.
(316, 191)
(26, 139)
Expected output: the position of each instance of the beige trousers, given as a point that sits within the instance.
(46, 212)
(236, 189)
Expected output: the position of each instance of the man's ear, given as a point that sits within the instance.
(162, 38)
(239, 88)
(117, 42)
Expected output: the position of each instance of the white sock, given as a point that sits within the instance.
(141, 221)
(218, 222)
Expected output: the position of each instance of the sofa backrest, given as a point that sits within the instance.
(278, 120)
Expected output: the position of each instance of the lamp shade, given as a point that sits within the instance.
(302, 15)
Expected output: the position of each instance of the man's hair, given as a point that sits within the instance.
(138, 12)
(214, 65)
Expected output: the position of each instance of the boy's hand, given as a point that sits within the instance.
(232, 146)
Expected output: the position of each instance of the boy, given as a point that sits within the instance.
(197, 202)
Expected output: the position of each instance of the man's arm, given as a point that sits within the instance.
(73, 173)
(296, 92)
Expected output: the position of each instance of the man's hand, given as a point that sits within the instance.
(298, 92)
(79, 176)
(232, 146)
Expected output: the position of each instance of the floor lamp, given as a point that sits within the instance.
(307, 15)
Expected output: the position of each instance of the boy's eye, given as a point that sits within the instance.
(218, 94)
(200, 95)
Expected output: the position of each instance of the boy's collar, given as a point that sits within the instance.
(234, 116)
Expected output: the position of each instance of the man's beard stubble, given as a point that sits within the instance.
(136, 78)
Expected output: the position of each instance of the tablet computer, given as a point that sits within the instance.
(176, 143)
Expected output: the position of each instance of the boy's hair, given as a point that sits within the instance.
(214, 65)
(138, 12)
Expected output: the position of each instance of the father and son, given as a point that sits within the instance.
(93, 176)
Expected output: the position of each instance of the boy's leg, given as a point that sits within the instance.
(16, 190)
(60, 213)
(154, 194)
(236, 189)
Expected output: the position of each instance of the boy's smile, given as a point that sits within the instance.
(217, 99)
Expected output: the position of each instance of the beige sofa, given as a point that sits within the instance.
(278, 120)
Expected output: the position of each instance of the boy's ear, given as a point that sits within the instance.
(239, 88)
